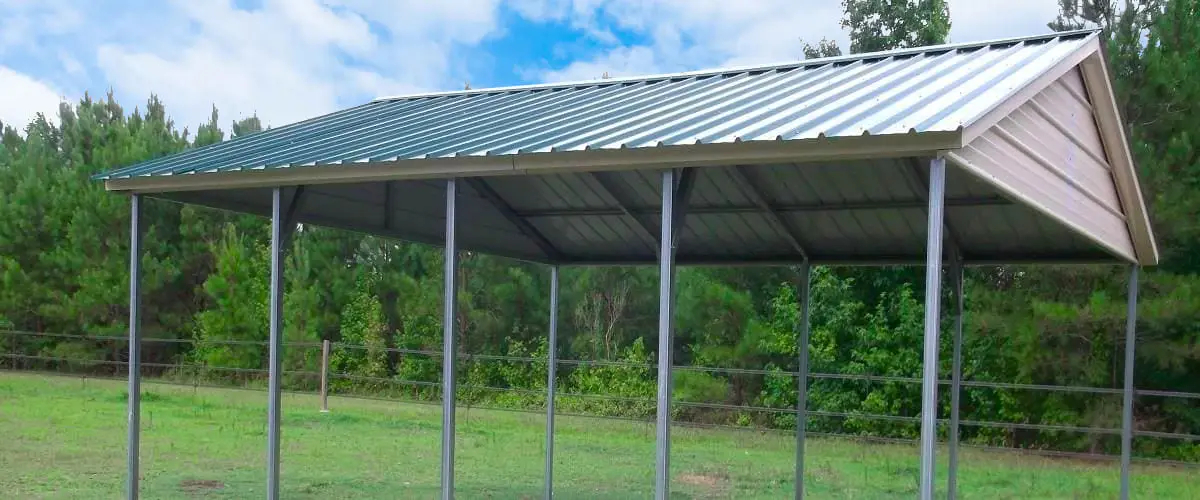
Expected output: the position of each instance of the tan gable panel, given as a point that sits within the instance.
(1048, 153)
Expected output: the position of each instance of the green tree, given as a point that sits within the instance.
(877, 25)
(237, 291)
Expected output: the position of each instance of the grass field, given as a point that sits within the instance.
(65, 438)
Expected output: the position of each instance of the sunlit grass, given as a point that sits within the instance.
(65, 438)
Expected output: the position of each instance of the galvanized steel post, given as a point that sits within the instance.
(933, 288)
(1127, 393)
(551, 367)
(449, 344)
(955, 379)
(666, 278)
(802, 375)
(275, 371)
(325, 376)
(135, 347)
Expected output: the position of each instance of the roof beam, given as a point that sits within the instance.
(644, 231)
(481, 186)
(291, 211)
(912, 172)
(742, 175)
(388, 207)
(683, 193)
(779, 209)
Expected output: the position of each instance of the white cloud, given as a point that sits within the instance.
(695, 34)
(294, 59)
(24, 97)
(987, 19)
(291, 59)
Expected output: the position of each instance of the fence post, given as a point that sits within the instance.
(325, 376)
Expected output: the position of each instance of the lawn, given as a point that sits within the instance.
(65, 438)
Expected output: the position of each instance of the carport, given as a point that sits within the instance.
(987, 153)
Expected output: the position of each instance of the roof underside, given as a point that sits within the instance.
(767, 214)
(825, 160)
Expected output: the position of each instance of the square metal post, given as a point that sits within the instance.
(135, 347)
(933, 294)
(956, 274)
(449, 342)
(1127, 393)
(275, 371)
(551, 368)
(666, 279)
(802, 375)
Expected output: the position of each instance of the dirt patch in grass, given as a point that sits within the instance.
(200, 485)
(711, 484)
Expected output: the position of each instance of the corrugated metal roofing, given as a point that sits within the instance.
(591, 156)
(934, 89)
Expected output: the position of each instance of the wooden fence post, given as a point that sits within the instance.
(325, 376)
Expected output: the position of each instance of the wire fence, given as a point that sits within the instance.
(46, 356)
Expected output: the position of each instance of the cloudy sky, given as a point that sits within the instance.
(286, 60)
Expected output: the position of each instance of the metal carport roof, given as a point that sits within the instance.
(824, 160)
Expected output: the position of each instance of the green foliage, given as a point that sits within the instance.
(237, 289)
(877, 25)
(824, 48)
(363, 325)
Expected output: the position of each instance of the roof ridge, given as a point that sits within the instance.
(755, 68)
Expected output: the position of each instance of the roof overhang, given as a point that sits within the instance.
(695, 155)
(822, 161)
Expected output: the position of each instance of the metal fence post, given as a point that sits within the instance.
(325, 376)
(274, 373)
(666, 278)
(933, 287)
(802, 375)
(135, 346)
(955, 380)
(449, 344)
(551, 368)
(1127, 393)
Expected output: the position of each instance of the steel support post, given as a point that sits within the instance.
(955, 379)
(449, 342)
(275, 371)
(551, 368)
(1127, 393)
(802, 376)
(135, 346)
(933, 288)
(666, 278)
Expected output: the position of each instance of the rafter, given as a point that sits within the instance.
(291, 211)
(481, 186)
(683, 195)
(742, 175)
(644, 231)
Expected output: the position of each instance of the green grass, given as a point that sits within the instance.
(65, 438)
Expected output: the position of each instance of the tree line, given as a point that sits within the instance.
(64, 257)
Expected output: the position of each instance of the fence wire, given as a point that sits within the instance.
(194, 369)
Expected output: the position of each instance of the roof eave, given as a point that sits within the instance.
(748, 152)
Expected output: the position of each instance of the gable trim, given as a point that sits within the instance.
(1116, 145)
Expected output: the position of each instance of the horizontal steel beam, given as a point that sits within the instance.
(735, 209)
(847, 261)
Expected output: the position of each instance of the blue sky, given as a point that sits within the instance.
(287, 60)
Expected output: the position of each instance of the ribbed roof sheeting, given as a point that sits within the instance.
(937, 89)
